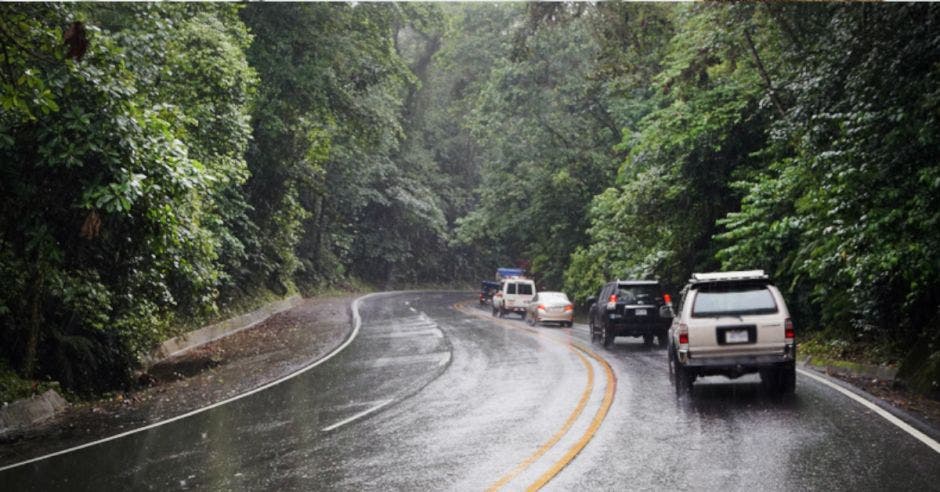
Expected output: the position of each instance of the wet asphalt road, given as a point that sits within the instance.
(430, 397)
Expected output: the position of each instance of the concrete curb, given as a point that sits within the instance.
(852, 369)
(218, 330)
(29, 411)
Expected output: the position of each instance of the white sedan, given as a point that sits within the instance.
(551, 307)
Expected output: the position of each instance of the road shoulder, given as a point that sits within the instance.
(921, 421)
(199, 377)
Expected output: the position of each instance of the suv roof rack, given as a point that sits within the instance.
(698, 278)
(637, 282)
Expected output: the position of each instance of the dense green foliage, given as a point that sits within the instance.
(113, 180)
(800, 139)
(163, 162)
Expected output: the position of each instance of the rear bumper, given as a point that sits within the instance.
(737, 363)
(553, 317)
(637, 329)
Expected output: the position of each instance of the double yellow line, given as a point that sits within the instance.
(611, 385)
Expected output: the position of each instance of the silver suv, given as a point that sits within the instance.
(731, 324)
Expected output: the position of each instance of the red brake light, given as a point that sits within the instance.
(683, 334)
(788, 329)
(613, 298)
(569, 307)
(667, 299)
(541, 307)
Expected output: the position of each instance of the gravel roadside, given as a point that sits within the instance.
(204, 375)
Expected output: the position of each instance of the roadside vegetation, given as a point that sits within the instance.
(163, 164)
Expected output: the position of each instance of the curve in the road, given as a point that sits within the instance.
(572, 418)
(357, 324)
(589, 433)
(600, 414)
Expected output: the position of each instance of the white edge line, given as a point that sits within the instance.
(880, 411)
(357, 323)
(875, 408)
(357, 416)
(435, 332)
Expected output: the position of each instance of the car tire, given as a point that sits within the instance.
(607, 336)
(595, 336)
(647, 341)
(786, 380)
(683, 378)
(523, 316)
(671, 365)
(662, 340)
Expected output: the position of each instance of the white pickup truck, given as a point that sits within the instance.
(514, 296)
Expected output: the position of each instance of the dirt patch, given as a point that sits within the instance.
(204, 375)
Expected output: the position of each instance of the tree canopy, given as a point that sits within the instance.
(163, 164)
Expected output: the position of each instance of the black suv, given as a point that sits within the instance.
(630, 308)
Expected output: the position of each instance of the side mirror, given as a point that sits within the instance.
(665, 312)
(590, 300)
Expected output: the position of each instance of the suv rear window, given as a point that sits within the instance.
(510, 288)
(718, 300)
(553, 296)
(637, 294)
(525, 289)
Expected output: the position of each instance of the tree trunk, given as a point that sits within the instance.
(33, 324)
(763, 74)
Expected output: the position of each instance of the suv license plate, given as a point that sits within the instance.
(736, 336)
(641, 312)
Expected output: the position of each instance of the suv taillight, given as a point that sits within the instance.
(541, 307)
(569, 307)
(612, 302)
(788, 331)
(667, 299)
(683, 334)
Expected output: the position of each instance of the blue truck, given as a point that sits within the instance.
(504, 273)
